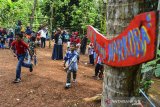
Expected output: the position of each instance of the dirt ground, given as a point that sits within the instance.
(44, 87)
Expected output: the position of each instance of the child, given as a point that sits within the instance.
(0, 42)
(71, 59)
(99, 68)
(32, 48)
(91, 53)
(26, 40)
(3, 41)
(21, 48)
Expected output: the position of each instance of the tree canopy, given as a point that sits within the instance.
(72, 14)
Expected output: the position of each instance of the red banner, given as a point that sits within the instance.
(135, 45)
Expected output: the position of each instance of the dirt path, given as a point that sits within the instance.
(44, 87)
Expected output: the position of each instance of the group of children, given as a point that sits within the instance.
(24, 47)
(99, 64)
(6, 36)
(71, 59)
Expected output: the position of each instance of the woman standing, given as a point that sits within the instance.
(57, 53)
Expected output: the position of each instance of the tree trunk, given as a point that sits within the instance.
(51, 23)
(120, 82)
(33, 11)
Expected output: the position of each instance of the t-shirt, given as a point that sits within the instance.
(20, 46)
(66, 36)
(60, 40)
(72, 57)
(43, 33)
(91, 51)
(75, 40)
(56, 38)
(18, 29)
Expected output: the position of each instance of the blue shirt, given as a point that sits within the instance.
(91, 51)
(72, 57)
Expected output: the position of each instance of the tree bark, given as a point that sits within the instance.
(120, 82)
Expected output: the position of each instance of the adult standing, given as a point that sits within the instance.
(65, 36)
(18, 27)
(83, 45)
(57, 53)
(43, 33)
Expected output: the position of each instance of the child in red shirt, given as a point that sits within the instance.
(20, 51)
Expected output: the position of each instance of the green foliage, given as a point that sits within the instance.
(157, 71)
(148, 5)
(73, 14)
(148, 69)
(152, 65)
(158, 52)
(11, 11)
(146, 85)
(14, 0)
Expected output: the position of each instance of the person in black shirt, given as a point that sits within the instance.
(83, 45)
(57, 53)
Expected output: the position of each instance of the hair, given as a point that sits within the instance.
(20, 35)
(58, 29)
(73, 44)
(19, 22)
